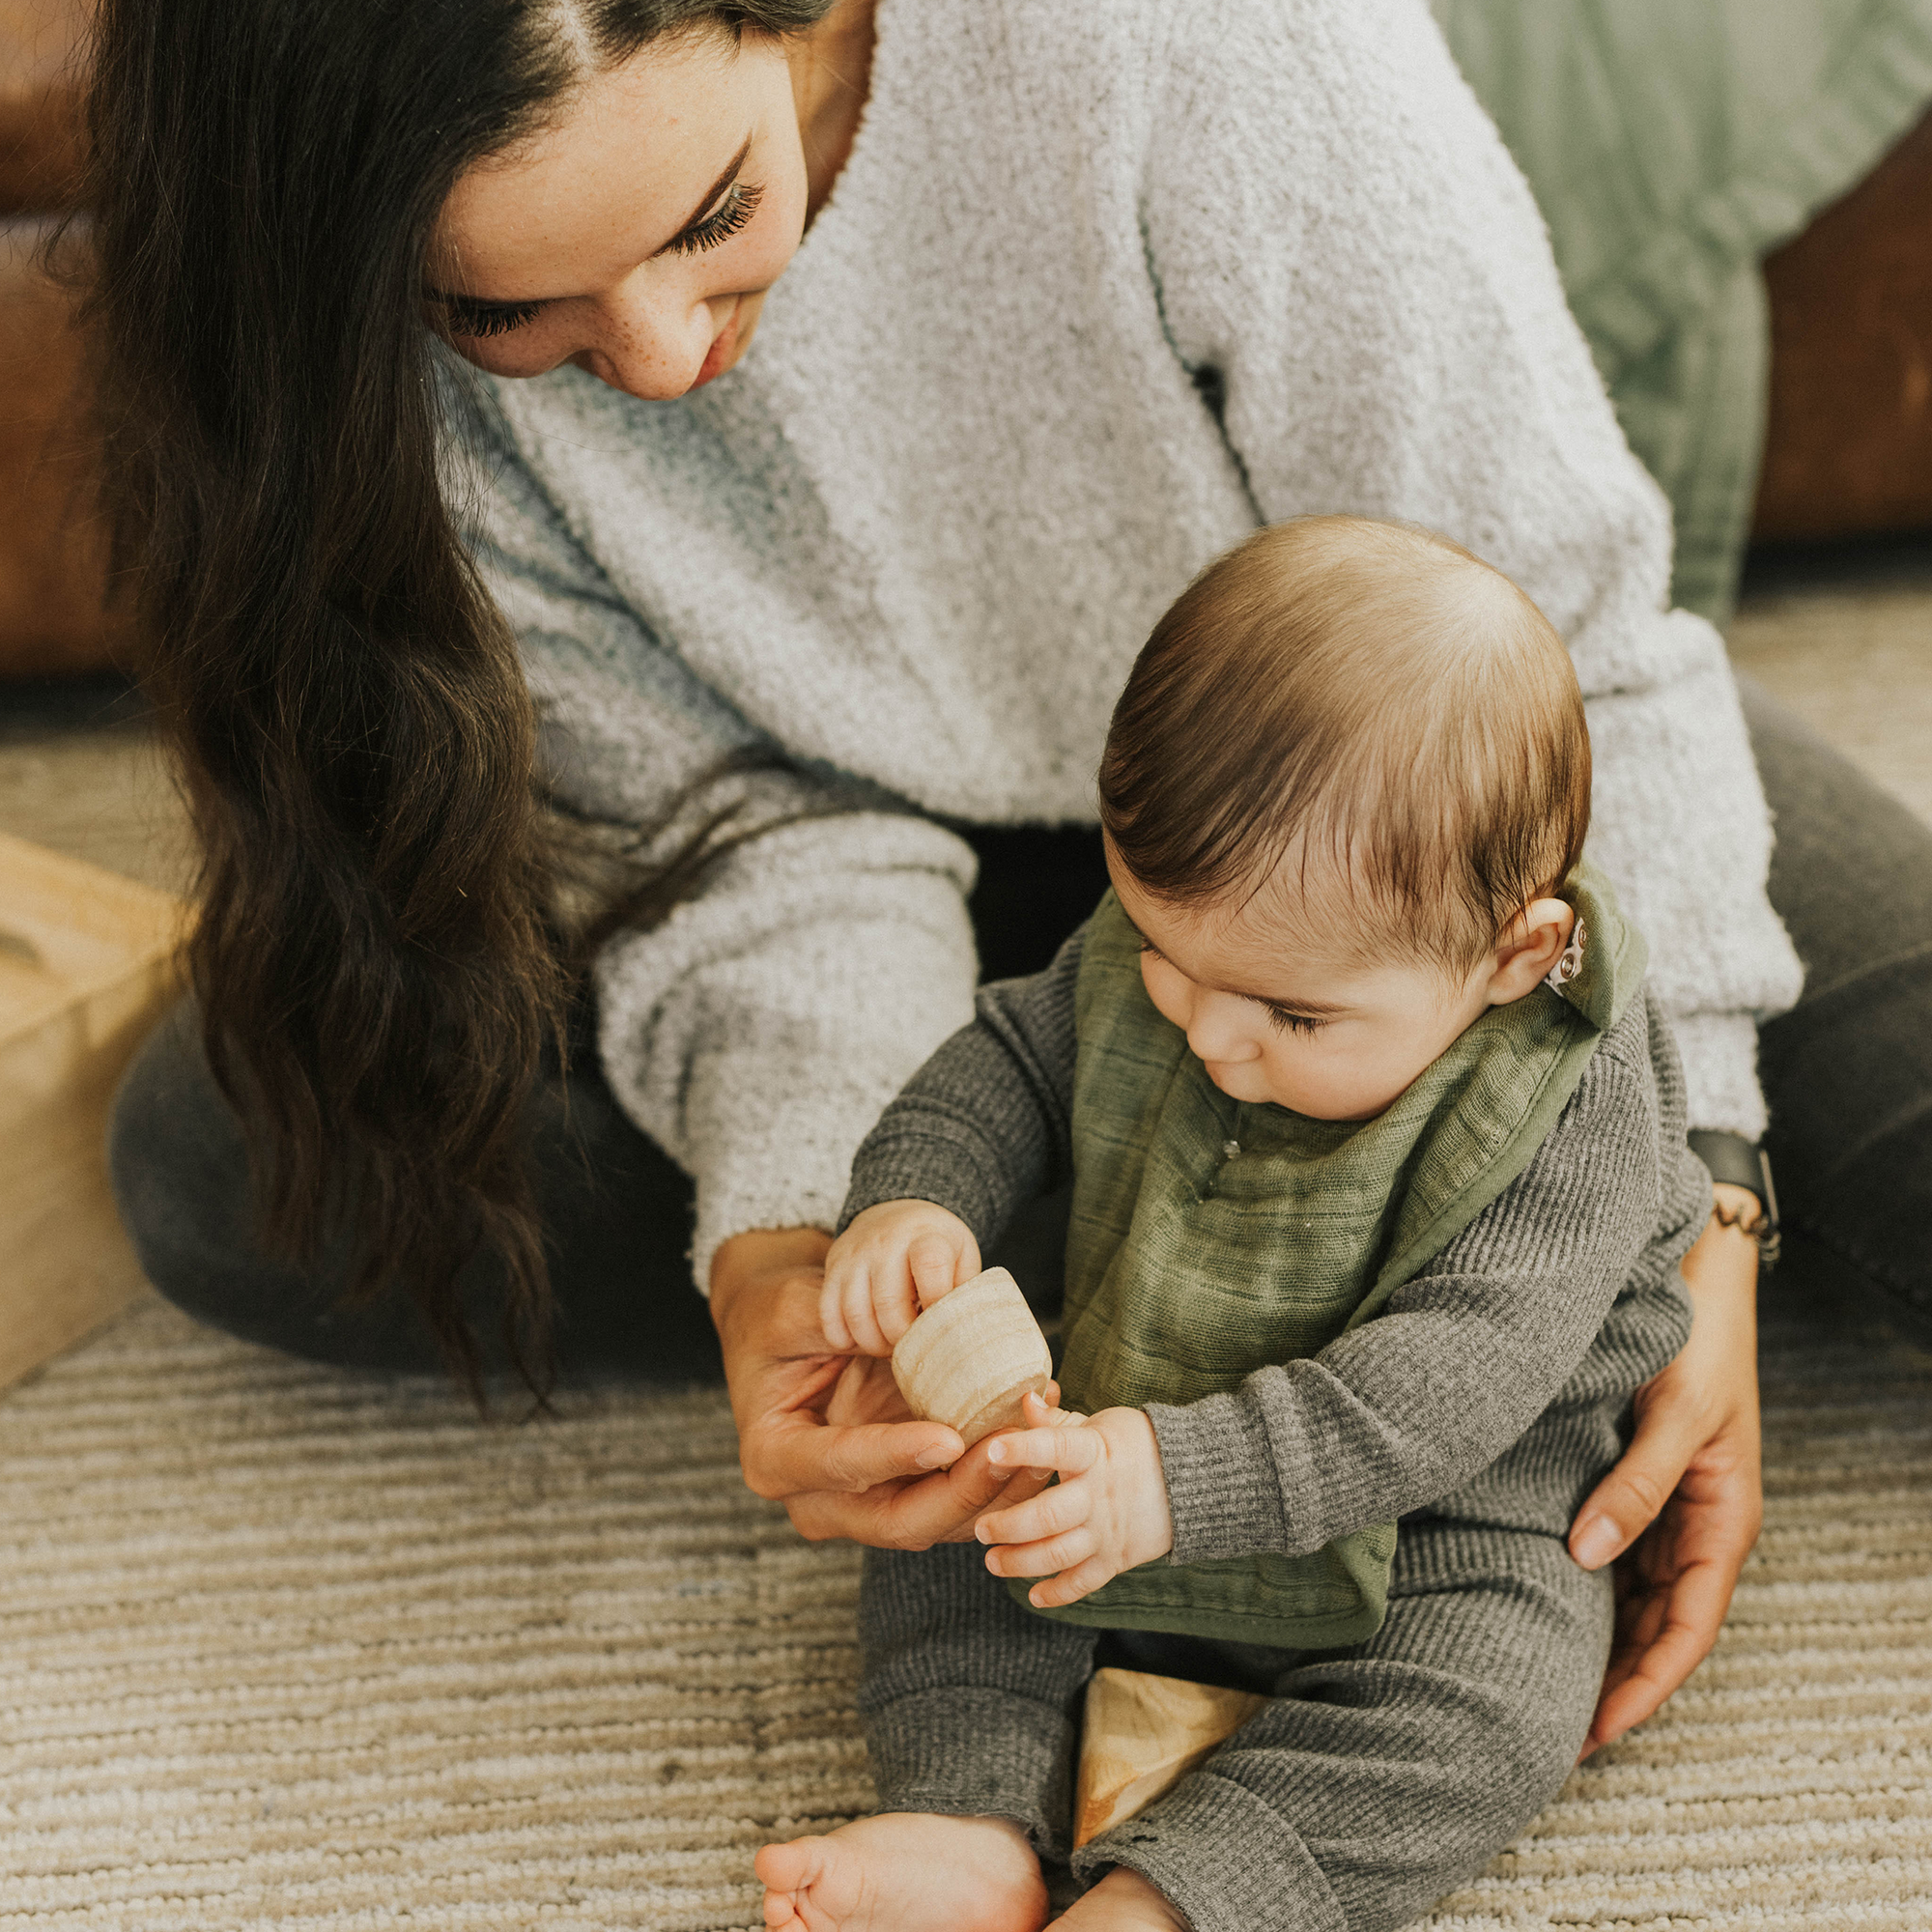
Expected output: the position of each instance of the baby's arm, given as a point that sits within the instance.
(1407, 1407)
(980, 1128)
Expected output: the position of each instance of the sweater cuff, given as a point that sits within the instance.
(970, 1751)
(950, 1169)
(1720, 1055)
(1223, 1857)
(738, 1203)
(1222, 1489)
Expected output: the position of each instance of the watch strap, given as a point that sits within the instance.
(1739, 1162)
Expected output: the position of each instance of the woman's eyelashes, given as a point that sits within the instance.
(739, 204)
(474, 319)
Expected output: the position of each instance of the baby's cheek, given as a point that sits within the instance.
(1166, 988)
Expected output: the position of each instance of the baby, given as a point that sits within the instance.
(1379, 1185)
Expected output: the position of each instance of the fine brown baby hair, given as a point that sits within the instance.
(1370, 694)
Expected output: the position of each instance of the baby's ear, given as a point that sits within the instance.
(1532, 945)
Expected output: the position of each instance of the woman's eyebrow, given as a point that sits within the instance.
(711, 194)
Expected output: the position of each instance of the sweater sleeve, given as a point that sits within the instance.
(986, 1124)
(757, 1032)
(1353, 269)
(1398, 1413)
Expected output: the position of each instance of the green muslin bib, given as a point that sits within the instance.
(1211, 1236)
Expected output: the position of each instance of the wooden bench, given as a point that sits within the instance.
(88, 963)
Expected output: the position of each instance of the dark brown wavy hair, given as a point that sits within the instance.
(377, 974)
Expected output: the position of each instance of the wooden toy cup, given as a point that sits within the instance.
(972, 1358)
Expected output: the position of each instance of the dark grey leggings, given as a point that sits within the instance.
(1848, 1073)
(1375, 1778)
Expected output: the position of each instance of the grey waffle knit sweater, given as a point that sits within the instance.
(1511, 1358)
(1099, 290)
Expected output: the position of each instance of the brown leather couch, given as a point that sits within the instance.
(52, 560)
(1848, 449)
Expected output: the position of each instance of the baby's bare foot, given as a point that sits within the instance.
(906, 1871)
(1124, 1901)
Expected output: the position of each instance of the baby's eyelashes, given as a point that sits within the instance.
(1284, 1019)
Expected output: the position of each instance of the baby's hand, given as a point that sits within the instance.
(1107, 1513)
(895, 1259)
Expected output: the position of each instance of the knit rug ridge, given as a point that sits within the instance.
(285, 1647)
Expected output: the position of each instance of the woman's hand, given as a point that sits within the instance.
(1688, 1493)
(828, 1434)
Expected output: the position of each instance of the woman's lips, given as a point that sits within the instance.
(719, 355)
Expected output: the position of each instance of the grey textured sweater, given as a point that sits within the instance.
(1099, 290)
(1515, 1349)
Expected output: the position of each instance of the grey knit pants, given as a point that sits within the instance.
(1377, 1777)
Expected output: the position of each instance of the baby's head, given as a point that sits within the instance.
(1346, 779)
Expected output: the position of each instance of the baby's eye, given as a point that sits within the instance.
(1285, 1021)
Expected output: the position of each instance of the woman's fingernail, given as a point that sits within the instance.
(1596, 1543)
(935, 1459)
(996, 1452)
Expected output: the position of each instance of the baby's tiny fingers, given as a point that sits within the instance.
(832, 1316)
(1070, 1451)
(895, 1311)
(1057, 1592)
(931, 1259)
(861, 1316)
(1041, 1559)
(1046, 1514)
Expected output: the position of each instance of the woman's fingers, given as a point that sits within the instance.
(1632, 1495)
(1691, 1475)
(907, 1514)
(1676, 1624)
(829, 1434)
(1678, 1583)
(859, 1455)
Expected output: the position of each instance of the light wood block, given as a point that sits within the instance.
(1142, 1734)
(972, 1358)
(87, 965)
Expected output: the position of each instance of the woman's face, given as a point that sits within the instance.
(636, 237)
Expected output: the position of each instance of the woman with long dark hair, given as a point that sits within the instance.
(517, 438)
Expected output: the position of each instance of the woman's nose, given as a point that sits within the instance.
(653, 341)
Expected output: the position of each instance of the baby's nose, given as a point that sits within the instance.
(1218, 1036)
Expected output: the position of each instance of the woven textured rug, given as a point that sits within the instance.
(283, 1647)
